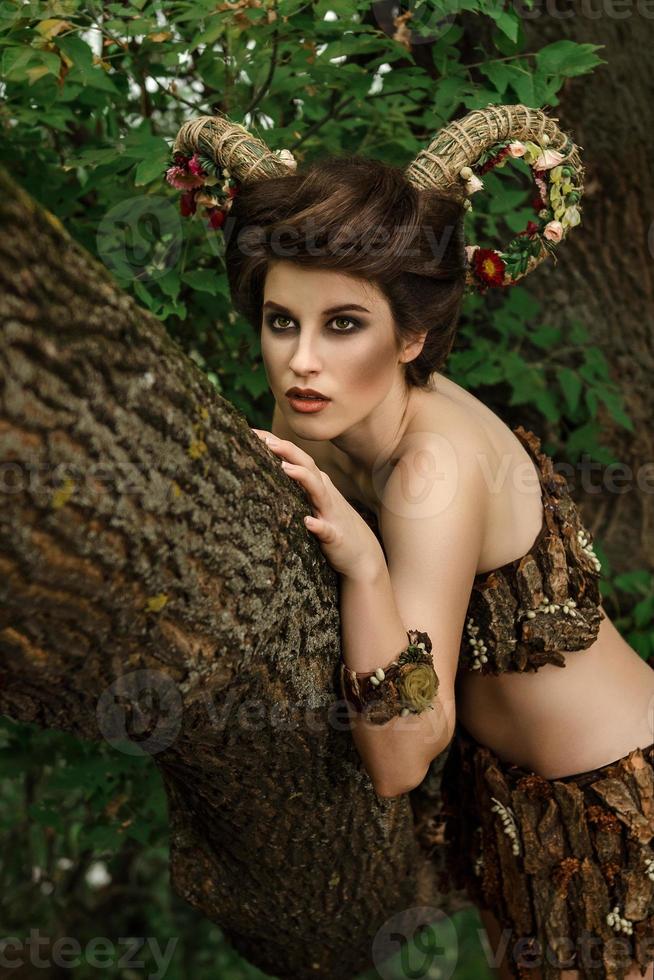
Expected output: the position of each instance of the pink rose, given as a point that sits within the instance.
(553, 231)
(516, 149)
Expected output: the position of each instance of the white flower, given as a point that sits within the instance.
(287, 157)
(571, 217)
(97, 875)
(465, 173)
(473, 185)
(517, 149)
(548, 159)
(470, 251)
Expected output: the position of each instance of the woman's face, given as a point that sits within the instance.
(349, 354)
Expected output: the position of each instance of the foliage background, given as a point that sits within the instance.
(93, 95)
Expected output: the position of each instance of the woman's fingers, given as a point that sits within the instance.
(300, 466)
(288, 450)
(311, 481)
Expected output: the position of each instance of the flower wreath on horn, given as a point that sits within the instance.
(559, 186)
(209, 185)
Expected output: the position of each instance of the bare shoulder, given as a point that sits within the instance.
(449, 436)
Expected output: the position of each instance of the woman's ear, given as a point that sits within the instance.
(412, 348)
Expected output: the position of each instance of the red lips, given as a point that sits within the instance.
(306, 392)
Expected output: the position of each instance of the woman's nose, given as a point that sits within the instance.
(305, 358)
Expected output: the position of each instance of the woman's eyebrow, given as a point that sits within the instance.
(332, 309)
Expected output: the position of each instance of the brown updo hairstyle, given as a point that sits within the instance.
(363, 218)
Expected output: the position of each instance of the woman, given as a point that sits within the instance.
(465, 537)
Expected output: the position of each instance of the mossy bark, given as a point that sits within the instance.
(157, 586)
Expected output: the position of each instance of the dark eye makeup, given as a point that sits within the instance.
(271, 317)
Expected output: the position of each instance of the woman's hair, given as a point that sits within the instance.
(363, 218)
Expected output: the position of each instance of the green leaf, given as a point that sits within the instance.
(638, 580)
(615, 404)
(46, 816)
(505, 199)
(523, 85)
(590, 397)
(140, 830)
(509, 24)
(255, 382)
(498, 73)
(151, 168)
(545, 336)
(578, 333)
(15, 62)
(568, 58)
(582, 437)
(548, 404)
(595, 359)
(204, 280)
(93, 76)
(101, 838)
(571, 386)
(643, 611)
(149, 301)
(169, 283)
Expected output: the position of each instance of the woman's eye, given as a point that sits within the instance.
(281, 329)
(277, 316)
(347, 320)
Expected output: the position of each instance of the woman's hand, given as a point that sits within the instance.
(345, 539)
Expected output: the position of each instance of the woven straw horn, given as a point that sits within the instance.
(462, 143)
(232, 146)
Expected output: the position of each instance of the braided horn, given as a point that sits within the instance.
(468, 147)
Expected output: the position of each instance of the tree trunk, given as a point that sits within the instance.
(159, 590)
(605, 275)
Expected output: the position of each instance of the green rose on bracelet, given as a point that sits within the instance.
(418, 687)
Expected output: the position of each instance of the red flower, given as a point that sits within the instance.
(530, 230)
(493, 162)
(182, 179)
(187, 203)
(216, 217)
(185, 173)
(488, 266)
(195, 167)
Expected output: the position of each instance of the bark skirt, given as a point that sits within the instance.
(566, 865)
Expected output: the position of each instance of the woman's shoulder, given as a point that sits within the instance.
(455, 418)
(472, 439)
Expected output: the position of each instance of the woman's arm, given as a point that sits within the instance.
(432, 519)
(397, 754)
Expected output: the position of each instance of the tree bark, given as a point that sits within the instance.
(605, 274)
(159, 590)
